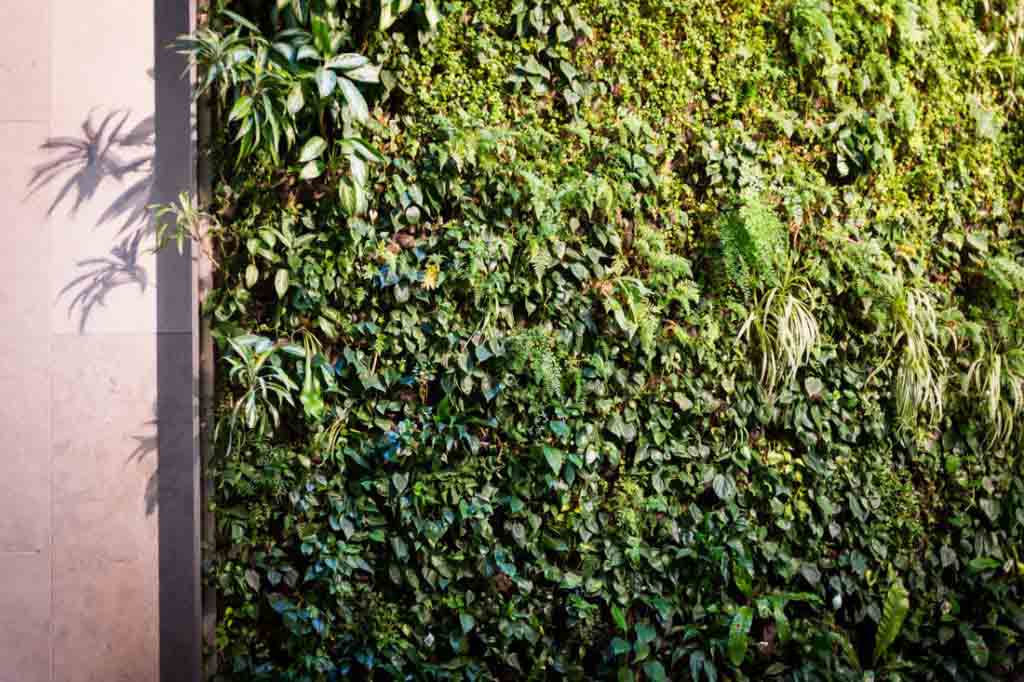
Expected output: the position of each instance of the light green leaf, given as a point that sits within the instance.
(252, 275)
(347, 62)
(326, 81)
(313, 169)
(356, 103)
(312, 149)
(296, 100)
(432, 13)
(897, 603)
(241, 109)
(619, 616)
(281, 282)
(390, 11)
(369, 73)
(554, 457)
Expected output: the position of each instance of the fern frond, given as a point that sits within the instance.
(753, 243)
(894, 612)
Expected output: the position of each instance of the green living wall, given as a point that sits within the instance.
(620, 339)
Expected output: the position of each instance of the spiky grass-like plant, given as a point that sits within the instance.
(996, 378)
(783, 329)
(920, 379)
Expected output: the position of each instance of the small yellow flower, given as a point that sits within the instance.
(430, 276)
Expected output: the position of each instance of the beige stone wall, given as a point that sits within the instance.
(85, 333)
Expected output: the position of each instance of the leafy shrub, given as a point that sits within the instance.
(492, 408)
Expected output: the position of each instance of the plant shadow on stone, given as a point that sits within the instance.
(109, 150)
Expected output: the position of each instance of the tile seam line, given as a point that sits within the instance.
(50, 14)
(100, 335)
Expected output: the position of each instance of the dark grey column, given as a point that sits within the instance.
(177, 395)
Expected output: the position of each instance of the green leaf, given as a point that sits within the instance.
(654, 671)
(240, 20)
(281, 282)
(620, 646)
(326, 81)
(356, 103)
(897, 604)
(242, 108)
(976, 646)
(645, 633)
(365, 74)
(432, 13)
(312, 400)
(296, 100)
(400, 481)
(554, 457)
(353, 199)
(467, 622)
(311, 170)
(619, 616)
(813, 386)
(390, 11)
(252, 275)
(321, 34)
(312, 149)
(724, 487)
(979, 564)
(347, 62)
(738, 635)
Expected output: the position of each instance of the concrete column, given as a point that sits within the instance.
(98, 465)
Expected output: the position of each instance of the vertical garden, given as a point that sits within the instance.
(616, 340)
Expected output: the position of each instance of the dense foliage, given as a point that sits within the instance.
(635, 340)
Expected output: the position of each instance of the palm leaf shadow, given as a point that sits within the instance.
(105, 151)
(102, 275)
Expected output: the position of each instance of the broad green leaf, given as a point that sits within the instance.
(739, 636)
(281, 282)
(321, 34)
(312, 149)
(326, 81)
(979, 564)
(296, 100)
(356, 103)
(311, 170)
(619, 616)
(252, 275)
(554, 458)
(390, 11)
(620, 646)
(347, 62)
(369, 73)
(897, 604)
(645, 633)
(654, 671)
(241, 109)
(312, 400)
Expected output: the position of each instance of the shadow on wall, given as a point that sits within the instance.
(109, 150)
